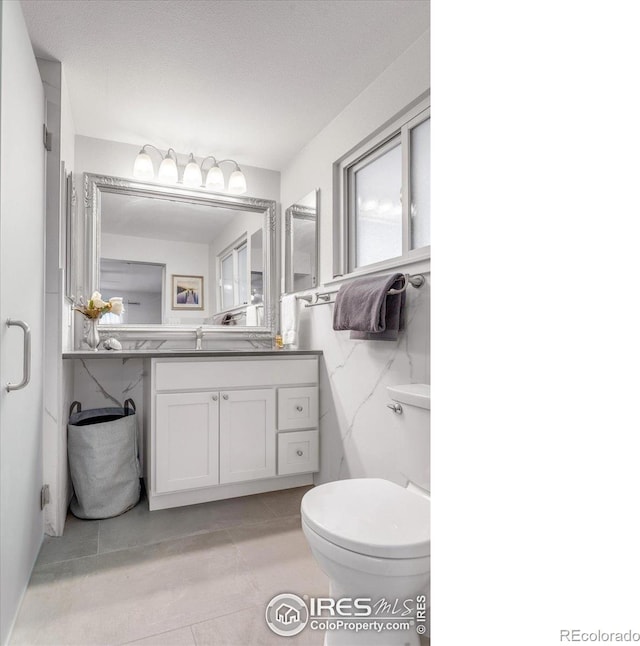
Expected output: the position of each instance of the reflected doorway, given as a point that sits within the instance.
(141, 286)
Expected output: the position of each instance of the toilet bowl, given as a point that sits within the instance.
(372, 537)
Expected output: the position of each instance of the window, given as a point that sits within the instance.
(383, 197)
(234, 276)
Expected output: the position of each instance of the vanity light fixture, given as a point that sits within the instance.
(168, 171)
(215, 178)
(192, 176)
(237, 181)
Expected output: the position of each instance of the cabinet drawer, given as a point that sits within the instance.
(297, 408)
(298, 452)
(209, 374)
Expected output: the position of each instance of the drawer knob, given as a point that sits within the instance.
(225, 396)
(215, 398)
(299, 409)
(299, 452)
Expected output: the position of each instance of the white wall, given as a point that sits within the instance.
(356, 437)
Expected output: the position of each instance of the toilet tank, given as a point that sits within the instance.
(412, 425)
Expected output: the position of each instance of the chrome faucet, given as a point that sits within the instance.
(199, 337)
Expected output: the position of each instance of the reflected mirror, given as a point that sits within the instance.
(301, 244)
(180, 257)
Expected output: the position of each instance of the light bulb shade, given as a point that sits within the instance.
(237, 183)
(215, 178)
(192, 174)
(143, 166)
(168, 171)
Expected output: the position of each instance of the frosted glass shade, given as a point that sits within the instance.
(192, 174)
(215, 178)
(168, 171)
(237, 183)
(143, 166)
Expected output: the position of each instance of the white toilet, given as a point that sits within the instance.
(370, 536)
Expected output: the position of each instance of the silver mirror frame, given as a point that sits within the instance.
(95, 185)
(305, 212)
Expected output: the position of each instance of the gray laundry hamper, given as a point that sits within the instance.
(103, 460)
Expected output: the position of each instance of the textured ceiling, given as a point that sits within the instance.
(252, 80)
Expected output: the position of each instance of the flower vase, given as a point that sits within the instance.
(93, 336)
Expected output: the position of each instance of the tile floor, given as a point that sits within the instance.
(189, 576)
(193, 575)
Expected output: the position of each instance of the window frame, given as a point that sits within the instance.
(367, 151)
(233, 251)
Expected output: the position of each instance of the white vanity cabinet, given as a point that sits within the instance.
(219, 428)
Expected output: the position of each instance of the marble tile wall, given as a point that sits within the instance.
(356, 436)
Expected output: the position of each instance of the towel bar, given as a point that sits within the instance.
(415, 280)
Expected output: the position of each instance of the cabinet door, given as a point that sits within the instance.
(186, 451)
(247, 435)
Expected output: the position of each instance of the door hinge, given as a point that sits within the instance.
(44, 496)
(46, 138)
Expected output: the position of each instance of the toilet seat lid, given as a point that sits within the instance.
(370, 516)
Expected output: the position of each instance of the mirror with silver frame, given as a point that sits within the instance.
(180, 259)
(301, 243)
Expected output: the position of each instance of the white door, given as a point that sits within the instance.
(247, 435)
(186, 449)
(21, 298)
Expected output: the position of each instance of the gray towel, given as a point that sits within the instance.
(364, 307)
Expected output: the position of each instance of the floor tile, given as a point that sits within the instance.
(180, 637)
(278, 558)
(143, 527)
(80, 539)
(130, 594)
(284, 503)
(248, 628)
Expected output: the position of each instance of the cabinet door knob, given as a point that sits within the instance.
(225, 396)
(215, 398)
(299, 409)
(299, 452)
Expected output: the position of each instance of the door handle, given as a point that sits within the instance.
(26, 368)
